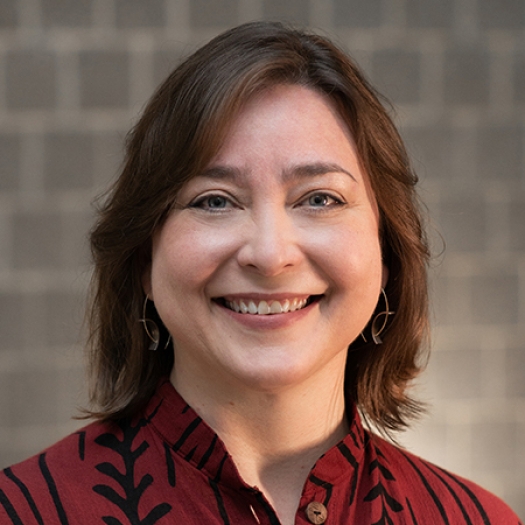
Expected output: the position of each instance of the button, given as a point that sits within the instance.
(316, 512)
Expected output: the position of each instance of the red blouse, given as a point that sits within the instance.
(168, 467)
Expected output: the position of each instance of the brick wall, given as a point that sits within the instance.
(74, 75)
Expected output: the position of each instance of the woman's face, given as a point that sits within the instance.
(269, 265)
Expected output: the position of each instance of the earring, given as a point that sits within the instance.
(375, 329)
(152, 330)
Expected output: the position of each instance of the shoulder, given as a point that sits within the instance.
(67, 455)
(36, 488)
(423, 484)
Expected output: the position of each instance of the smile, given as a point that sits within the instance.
(271, 307)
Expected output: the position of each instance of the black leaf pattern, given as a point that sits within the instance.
(27, 495)
(128, 500)
(414, 521)
(170, 466)
(142, 448)
(379, 491)
(110, 470)
(81, 445)
(156, 513)
(52, 487)
(385, 519)
(110, 494)
(110, 520)
(145, 482)
(393, 503)
(347, 454)
(386, 473)
(374, 493)
(108, 440)
(190, 454)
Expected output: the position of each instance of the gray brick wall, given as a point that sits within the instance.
(74, 75)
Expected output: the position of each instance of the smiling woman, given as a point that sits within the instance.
(259, 289)
(291, 229)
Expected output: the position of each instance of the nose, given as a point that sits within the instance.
(271, 243)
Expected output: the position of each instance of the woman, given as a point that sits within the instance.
(260, 280)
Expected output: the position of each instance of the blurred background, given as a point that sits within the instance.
(74, 75)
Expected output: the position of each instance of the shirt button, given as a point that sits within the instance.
(316, 513)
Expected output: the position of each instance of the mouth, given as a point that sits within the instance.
(267, 307)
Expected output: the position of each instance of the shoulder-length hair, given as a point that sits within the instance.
(181, 129)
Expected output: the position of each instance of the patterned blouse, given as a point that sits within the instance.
(166, 466)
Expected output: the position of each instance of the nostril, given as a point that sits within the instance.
(270, 248)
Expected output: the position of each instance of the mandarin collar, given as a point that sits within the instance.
(187, 434)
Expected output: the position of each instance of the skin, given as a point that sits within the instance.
(283, 211)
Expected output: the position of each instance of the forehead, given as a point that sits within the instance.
(278, 99)
(293, 127)
(285, 115)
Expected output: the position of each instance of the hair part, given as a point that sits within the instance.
(180, 131)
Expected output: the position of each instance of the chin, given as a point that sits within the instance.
(277, 377)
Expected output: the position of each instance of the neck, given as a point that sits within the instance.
(274, 437)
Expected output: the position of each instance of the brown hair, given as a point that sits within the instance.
(180, 130)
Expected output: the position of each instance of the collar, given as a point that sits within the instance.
(191, 438)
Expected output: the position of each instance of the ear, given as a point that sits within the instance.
(384, 276)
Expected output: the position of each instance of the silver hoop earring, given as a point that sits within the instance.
(375, 329)
(152, 330)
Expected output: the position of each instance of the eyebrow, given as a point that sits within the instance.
(311, 170)
(294, 172)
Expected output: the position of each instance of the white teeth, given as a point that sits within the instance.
(297, 304)
(265, 308)
(275, 308)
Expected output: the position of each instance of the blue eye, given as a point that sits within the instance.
(318, 200)
(322, 200)
(216, 201)
(211, 202)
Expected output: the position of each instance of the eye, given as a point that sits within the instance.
(321, 200)
(211, 202)
(216, 202)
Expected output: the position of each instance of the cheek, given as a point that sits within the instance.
(349, 254)
(184, 257)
